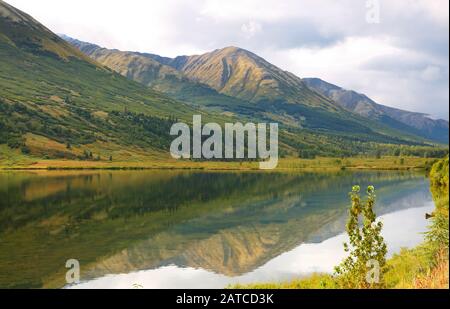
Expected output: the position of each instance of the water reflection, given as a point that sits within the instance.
(303, 260)
(227, 226)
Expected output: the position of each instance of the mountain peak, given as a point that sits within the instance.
(240, 73)
(231, 49)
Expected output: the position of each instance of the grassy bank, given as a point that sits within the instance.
(319, 163)
(426, 266)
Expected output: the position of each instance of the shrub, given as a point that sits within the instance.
(366, 247)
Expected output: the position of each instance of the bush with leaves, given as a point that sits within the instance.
(366, 263)
(438, 234)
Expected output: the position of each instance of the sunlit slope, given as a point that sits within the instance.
(51, 90)
(236, 81)
(148, 71)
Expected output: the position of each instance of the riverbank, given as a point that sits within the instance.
(320, 163)
(426, 266)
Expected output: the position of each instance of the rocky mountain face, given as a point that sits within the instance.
(238, 77)
(239, 73)
(153, 71)
(420, 124)
(132, 65)
(231, 71)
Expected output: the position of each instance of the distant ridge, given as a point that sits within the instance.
(423, 125)
(233, 72)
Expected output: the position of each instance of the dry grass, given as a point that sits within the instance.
(135, 159)
(437, 277)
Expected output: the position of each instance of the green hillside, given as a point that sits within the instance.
(57, 103)
(237, 81)
(145, 70)
(53, 95)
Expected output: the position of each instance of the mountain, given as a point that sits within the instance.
(151, 71)
(240, 73)
(240, 82)
(194, 80)
(420, 124)
(56, 102)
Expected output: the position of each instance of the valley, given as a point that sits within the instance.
(216, 169)
(85, 105)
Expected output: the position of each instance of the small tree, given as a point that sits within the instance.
(378, 154)
(366, 263)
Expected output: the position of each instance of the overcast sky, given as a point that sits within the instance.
(401, 61)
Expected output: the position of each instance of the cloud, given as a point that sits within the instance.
(250, 29)
(401, 61)
(431, 73)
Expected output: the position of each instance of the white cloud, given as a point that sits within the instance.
(250, 29)
(431, 73)
(402, 61)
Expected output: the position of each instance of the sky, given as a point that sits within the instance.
(395, 52)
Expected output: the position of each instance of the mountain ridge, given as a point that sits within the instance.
(58, 103)
(436, 129)
(241, 74)
(151, 70)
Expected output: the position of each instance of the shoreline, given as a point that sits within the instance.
(424, 266)
(285, 164)
(193, 168)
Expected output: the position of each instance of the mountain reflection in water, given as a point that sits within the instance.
(219, 227)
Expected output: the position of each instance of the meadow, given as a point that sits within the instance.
(15, 160)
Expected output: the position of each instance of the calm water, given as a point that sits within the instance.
(168, 229)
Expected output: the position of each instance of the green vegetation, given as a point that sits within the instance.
(251, 87)
(426, 266)
(58, 104)
(74, 102)
(315, 281)
(15, 159)
(367, 249)
(51, 91)
(62, 110)
(439, 185)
